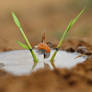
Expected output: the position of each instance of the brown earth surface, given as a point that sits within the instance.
(77, 79)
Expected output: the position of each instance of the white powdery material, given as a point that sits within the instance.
(20, 62)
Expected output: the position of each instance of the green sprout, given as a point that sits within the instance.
(65, 33)
(28, 45)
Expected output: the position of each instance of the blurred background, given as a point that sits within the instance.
(37, 16)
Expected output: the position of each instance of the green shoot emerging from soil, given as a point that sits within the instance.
(28, 45)
(65, 33)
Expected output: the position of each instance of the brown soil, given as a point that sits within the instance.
(77, 79)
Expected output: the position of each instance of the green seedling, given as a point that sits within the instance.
(28, 45)
(65, 33)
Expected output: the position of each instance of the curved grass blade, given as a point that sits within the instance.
(22, 45)
(16, 21)
(65, 33)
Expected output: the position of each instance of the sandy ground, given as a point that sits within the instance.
(77, 79)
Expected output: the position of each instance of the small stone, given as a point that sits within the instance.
(70, 50)
(82, 50)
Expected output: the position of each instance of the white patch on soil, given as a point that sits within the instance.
(20, 62)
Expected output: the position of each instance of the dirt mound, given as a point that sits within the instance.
(77, 79)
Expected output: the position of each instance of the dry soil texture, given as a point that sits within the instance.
(77, 79)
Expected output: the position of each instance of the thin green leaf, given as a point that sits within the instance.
(16, 20)
(22, 45)
(77, 17)
(24, 36)
(65, 33)
(68, 27)
(21, 30)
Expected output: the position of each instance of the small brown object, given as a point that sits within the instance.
(43, 48)
(70, 50)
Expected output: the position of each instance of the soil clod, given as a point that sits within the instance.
(70, 50)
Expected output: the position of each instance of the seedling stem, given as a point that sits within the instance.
(65, 33)
(28, 46)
